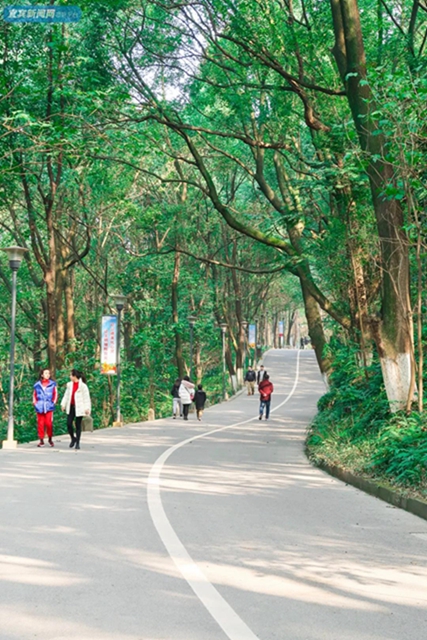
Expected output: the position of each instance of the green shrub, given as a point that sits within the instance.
(401, 451)
(354, 428)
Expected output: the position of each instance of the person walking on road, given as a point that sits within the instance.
(76, 403)
(265, 389)
(260, 374)
(186, 394)
(250, 378)
(176, 402)
(45, 396)
(199, 401)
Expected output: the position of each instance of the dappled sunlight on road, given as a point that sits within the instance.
(35, 572)
(39, 625)
(80, 558)
(300, 587)
(342, 583)
(232, 480)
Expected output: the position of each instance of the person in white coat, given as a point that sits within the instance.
(186, 394)
(76, 403)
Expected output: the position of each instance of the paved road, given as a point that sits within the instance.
(95, 544)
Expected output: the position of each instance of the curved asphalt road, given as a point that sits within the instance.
(230, 535)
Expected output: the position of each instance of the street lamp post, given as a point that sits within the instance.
(119, 301)
(15, 255)
(223, 326)
(191, 321)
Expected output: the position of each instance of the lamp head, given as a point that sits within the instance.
(223, 326)
(191, 319)
(15, 255)
(119, 301)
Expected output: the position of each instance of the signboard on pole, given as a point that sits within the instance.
(46, 14)
(252, 335)
(109, 345)
(281, 328)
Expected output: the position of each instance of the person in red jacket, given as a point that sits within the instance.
(265, 389)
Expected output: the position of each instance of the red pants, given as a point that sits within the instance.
(45, 424)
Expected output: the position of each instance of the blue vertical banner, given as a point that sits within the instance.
(280, 328)
(109, 345)
(252, 335)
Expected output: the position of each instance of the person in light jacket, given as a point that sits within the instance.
(45, 396)
(76, 403)
(260, 375)
(186, 393)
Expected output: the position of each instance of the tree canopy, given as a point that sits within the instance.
(236, 161)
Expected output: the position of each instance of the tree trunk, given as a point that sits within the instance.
(315, 330)
(240, 355)
(51, 319)
(198, 362)
(37, 352)
(291, 322)
(60, 325)
(239, 343)
(393, 332)
(69, 307)
(275, 336)
(175, 317)
(230, 367)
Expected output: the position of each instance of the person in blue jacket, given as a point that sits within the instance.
(45, 396)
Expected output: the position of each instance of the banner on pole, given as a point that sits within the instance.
(280, 328)
(252, 335)
(109, 345)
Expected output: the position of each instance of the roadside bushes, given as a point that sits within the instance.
(401, 452)
(355, 430)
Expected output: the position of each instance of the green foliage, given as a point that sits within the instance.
(401, 450)
(356, 404)
(355, 430)
(96, 176)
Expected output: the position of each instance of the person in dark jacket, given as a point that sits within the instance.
(176, 402)
(45, 396)
(250, 378)
(265, 389)
(199, 401)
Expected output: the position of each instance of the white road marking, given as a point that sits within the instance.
(293, 388)
(223, 614)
